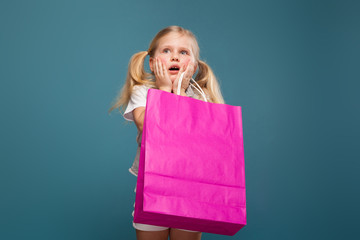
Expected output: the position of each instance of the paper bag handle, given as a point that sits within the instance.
(199, 90)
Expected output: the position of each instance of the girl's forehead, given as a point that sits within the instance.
(176, 39)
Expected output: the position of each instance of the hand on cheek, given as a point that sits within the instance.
(188, 70)
(162, 78)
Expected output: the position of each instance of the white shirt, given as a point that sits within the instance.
(137, 99)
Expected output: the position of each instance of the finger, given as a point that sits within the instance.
(191, 68)
(163, 69)
(166, 73)
(184, 67)
(159, 67)
(188, 65)
(187, 72)
(156, 67)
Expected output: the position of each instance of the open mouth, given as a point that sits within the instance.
(174, 69)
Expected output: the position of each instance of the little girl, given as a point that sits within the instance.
(173, 52)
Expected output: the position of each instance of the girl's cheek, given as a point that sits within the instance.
(186, 62)
(163, 61)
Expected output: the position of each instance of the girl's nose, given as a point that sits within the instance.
(174, 58)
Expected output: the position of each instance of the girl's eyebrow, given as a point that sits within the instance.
(168, 46)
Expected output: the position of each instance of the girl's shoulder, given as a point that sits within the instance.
(141, 87)
(137, 99)
(139, 92)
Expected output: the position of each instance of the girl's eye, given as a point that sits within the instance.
(166, 50)
(184, 52)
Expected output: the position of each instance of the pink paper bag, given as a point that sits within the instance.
(191, 171)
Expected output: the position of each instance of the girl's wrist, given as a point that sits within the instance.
(182, 92)
(166, 89)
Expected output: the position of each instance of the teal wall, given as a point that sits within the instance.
(293, 66)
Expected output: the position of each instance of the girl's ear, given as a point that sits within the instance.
(151, 61)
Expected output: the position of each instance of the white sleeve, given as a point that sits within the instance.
(137, 99)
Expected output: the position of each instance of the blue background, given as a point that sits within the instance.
(293, 66)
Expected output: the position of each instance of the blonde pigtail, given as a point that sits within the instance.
(136, 75)
(207, 81)
(136, 71)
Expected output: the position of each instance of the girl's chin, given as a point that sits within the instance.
(172, 78)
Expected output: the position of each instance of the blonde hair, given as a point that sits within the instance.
(138, 76)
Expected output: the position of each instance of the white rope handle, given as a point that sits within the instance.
(200, 91)
(179, 83)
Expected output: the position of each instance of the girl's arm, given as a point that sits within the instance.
(139, 114)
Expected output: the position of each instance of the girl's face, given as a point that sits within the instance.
(174, 51)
